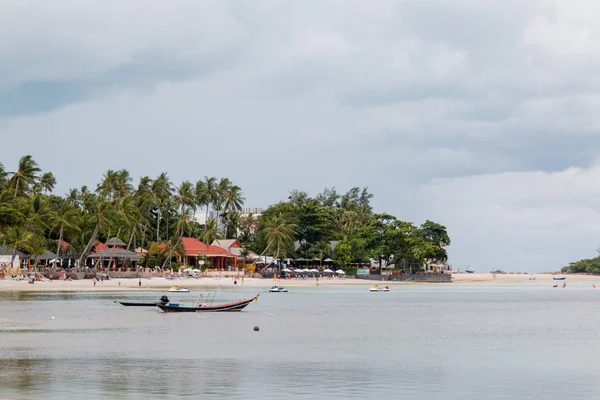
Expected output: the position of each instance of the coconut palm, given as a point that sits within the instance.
(279, 234)
(16, 237)
(105, 216)
(3, 178)
(64, 217)
(233, 202)
(219, 199)
(47, 182)
(160, 190)
(209, 234)
(25, 176)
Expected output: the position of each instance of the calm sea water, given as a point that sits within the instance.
(416, 342)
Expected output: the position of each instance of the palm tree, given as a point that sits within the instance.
(47, 182)
(26, 175)
(3, 178)
(320, 250)
(106, 215)
(16, 237)
(123, 185)
(278, 233)
(65, 217)
(185, 196)
(210, 234)
(160, 190)
(234, 200)
(247, 225)
(219, 197)
(206, 193)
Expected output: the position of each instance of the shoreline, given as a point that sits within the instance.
(163, 284)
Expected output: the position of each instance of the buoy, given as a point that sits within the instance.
(51, 317)
(256, 329)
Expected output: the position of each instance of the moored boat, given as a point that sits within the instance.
(278, 289)
(178, 289)
(163, 300)
(234, 306)
(559, 278)
(376, 288)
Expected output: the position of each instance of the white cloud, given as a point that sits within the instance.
(523, 221)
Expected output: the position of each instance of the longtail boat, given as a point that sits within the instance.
(163, 300)
(234, 306)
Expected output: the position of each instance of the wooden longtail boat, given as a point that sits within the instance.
(163, 300)
(234, 306)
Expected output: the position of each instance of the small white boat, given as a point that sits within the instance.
(376, 288)
(178, 289)
(277, 289)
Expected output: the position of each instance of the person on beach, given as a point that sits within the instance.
(94, 282)
(140, 283)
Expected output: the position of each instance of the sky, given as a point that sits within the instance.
(479, 115)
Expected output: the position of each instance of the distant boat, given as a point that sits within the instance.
(562, 278)
(178, 289)
(277, 289)
(469, 271)
(532, 278)
(376, 288)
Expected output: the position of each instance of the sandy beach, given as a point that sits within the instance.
(160, 284)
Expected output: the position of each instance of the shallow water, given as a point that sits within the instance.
(415, 342)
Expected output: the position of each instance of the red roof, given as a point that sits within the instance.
(194, 247)
(63, 244)
(99, 246)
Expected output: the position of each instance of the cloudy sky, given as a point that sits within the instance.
(480, 115)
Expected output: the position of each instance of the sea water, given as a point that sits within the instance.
(445, 341)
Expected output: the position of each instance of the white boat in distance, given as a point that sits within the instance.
(178, 289)
(376, 288)
(277, 289)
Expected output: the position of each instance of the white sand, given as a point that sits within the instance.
(208, 283)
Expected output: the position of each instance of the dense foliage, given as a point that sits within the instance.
(587, 266)
(155, 214)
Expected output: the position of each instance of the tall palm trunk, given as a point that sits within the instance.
(60, 239)
(14, 255)
(89, 245)
(171, 252)
(16, 189)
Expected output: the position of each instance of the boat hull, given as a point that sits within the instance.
(229, 307)
(133, 304)
(559, 279)
(379, 290)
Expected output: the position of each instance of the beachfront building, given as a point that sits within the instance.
(235, 248)
(113, 254)
(196, 251)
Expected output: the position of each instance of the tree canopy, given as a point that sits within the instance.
(337, 225)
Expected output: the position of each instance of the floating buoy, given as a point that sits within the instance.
(51, 317)
(256, 329)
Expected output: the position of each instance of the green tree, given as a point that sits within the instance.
(16, 238)
(25, 176)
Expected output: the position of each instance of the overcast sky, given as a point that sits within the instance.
(480, 115)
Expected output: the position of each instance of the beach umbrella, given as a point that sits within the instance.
(327, 260)
(286, 270)
(328, 271)
(341, 272)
